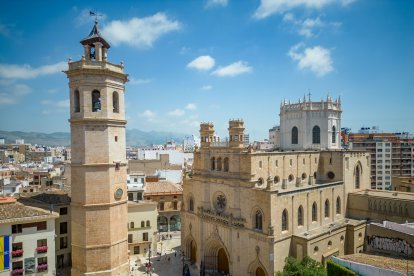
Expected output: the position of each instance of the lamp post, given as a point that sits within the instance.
(149, 260)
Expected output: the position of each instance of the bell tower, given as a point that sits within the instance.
(99, 193)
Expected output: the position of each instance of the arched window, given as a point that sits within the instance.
(148, 223)
(258, 221)
(76, 101)
(142, 223)
(295, 136)
(357, 177)
(338, 205)
(226, 164)
(115, 102)
(314, 212)
(300, 215)
(333, 135)
(213, 163)
(316, 135)
(96, 101)
(219, 164)
(276, 179)
(285, 220)
(132, 224)
(327, 208)
(291, 178)
(191, 205)
(260, 181)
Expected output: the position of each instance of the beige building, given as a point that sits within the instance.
(403, 183)
(245, 211)
(30, 233)
(150, 166)
(99, 213)
(142, 228)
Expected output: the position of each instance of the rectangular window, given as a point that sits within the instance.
(17, 246)
(388, 155)
(41, 260)
(379, 161)
(136, 250)
(41, 225)
(139, 197)
(175, 205)
(130, 196)
(379, 150)
(63, 242)
(387, 150)
(136, 180)
(17, 265)
(42, 242)
(379, 167)
(129, 238)
(63, 211)
(16, 228)
(145, 236)
(161, 206)
(379, 155)
(63, 228)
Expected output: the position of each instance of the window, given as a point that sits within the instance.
(63, 242)
(219, 164)
(148, 223)
(333, 135)
(327, 208)
(16, 228)
(258, 221)
(316, 135)
(136, 250)
(213, 163)
(139, 197)
(17, 246)
(115, 102)
(300, 215)
(277, 163)
(42, 242)
(260, 164)
(63, 211)
(295, 136)
(191, 205)
(338, 205)
(175, 205)
(41, 261)
(357, 177)
(142, 223)
(76, 101)
(226, 164)
(131, 225)
(116, 138)
(314, 212)
(260, 181)
(96, 101)
(291, 178)
(40, 225)
(145, 236)
(290, 162)
(379, 150)
(276, 179)
(284, 220)
(63, 228)
(130, 196)
(331, 175)
(303, 176)
(129, 238)
(161, 206)
(17, 265)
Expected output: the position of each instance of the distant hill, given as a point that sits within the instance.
(134, 137)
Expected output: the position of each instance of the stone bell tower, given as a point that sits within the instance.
(99, 194)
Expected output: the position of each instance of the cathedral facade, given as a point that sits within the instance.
(245, 211)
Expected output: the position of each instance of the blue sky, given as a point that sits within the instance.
(195, 61)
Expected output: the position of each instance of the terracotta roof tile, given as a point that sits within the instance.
(162, 187)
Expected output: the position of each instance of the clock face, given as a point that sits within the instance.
(118, 193)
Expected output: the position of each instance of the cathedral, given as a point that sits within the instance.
(246, 210)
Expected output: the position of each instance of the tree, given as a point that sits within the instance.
(306, 267)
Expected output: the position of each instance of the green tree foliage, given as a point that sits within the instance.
(336, 269)
(306, 267)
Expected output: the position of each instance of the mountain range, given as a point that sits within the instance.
(134, 137)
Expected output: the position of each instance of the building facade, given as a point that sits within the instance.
(99, 212)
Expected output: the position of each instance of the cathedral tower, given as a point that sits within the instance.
(97, 121)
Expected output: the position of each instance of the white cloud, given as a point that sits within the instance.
(12, 94)
(177, 112)
(148, 114)
(316, 59)
(269, 7)
(191, 106)
(216, 3)
(206, 87)
(25, 71)
(202, 63)
(139, 32)
(139, 81)
(57, 104)
(309, 26)
(234, 69)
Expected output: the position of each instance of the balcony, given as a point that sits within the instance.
(41, 267)
(17, 271)
(41, 249)
(17, 253)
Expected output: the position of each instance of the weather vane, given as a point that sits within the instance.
(96, 14)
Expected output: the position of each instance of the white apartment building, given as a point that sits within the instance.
(28, 239)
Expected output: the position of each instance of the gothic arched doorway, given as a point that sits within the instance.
(193, 252)
(260, 272)
(222, 262)
(162, 224)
